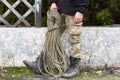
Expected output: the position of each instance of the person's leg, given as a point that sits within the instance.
(74, 31)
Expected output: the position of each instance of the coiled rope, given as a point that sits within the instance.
(54, 57)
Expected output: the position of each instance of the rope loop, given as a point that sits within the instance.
(55, 59)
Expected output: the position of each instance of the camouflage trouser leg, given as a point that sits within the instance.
(74, 31)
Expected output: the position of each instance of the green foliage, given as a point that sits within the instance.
(22, 9)
(44, 21)
(14, 72)
(17, 72)
(102, 12)
(99, 12)
(104, 17)
(114, 8)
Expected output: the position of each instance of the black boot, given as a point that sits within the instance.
(73, 68)
(34, 65)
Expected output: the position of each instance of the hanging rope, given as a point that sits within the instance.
(54, 57)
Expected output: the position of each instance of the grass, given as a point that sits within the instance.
(90, 74)
(12, 72)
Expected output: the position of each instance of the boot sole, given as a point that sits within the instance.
(78, 74)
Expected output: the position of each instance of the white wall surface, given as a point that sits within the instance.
(101, 45)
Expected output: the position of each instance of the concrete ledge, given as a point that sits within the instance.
(101, 45)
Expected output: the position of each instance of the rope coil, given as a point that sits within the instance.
(54, 57)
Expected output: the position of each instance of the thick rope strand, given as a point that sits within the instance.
(55, 59)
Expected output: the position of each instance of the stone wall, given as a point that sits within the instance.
(101, 45)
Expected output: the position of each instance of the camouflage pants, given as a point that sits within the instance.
(74, 31)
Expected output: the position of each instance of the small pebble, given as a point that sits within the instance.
(99, 73)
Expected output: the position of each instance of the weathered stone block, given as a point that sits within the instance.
(100, 45)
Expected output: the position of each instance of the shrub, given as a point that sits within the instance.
(104, 17)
